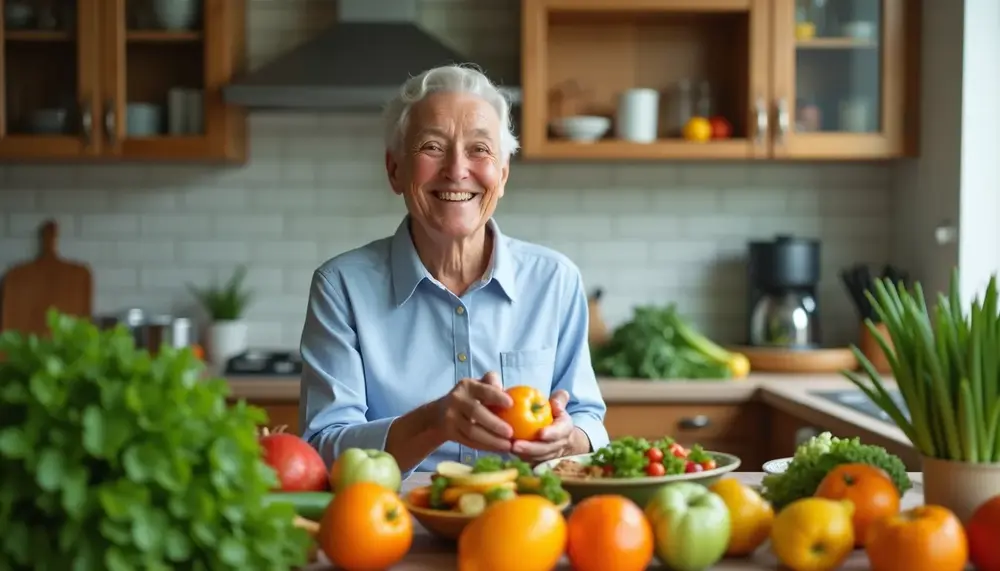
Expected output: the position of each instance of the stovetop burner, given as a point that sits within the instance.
(261, 362)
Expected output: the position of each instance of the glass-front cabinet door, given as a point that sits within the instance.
(48, 78)
(166, 62)
(840, 79)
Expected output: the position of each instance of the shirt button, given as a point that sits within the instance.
(462, 357)
(460, 310)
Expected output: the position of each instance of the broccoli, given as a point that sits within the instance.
(814, 458)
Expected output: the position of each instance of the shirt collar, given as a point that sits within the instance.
(408, 271)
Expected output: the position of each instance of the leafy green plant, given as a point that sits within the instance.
(227, 302)
(656, 344)
(947, 369)
(112, 459)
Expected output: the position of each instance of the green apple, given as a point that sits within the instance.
(361, 465)
(691, 526)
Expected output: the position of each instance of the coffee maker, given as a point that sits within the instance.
(782, 280)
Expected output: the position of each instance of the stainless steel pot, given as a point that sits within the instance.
(151, 332)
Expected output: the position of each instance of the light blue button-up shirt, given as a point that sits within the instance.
(383, 337)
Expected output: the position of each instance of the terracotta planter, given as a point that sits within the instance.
(959, 486)
(872, 350)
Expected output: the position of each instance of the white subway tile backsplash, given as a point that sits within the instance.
(646, 232)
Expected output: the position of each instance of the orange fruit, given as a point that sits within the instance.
(750, 515)
(609, 532)
(530, 413)
(925, 538)
(366, 526)
(526, 533)
(867, 487)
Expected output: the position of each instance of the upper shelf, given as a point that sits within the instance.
(713, 79)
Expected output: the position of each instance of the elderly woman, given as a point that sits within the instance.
(406, 338)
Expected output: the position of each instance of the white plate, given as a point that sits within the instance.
(777, 466)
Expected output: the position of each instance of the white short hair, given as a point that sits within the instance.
(454, 79)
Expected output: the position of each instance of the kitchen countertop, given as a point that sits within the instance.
(428, 552)
(789, 393)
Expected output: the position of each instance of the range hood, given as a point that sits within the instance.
(358, 64)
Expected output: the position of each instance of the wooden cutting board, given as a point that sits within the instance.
(31, 288)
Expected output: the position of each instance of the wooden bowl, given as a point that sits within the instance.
(448, 524)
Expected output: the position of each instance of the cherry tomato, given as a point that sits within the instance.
(708, 464)
(654, 455)
(693, 467)
(609, 470)
(655, 469)
(678, 451)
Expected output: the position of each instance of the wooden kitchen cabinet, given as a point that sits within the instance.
(279, 412)
(741, 429)
(106, 80)
(793, 84)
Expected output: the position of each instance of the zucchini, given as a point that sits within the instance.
(309, 505)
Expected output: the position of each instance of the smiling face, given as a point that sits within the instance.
(450, 170)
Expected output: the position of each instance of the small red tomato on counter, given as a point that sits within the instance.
(655, 469)
(655, 455)
(721, 129)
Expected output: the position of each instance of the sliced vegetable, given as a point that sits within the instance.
(484, 480)
(452, 494)
(472, 504)
(450, 469)
(309, 505)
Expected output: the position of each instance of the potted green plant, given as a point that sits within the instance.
(225, 305)
(946, 364)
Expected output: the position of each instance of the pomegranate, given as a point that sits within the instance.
(300, 468)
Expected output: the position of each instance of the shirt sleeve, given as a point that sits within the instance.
(574, 372)
(332, 395)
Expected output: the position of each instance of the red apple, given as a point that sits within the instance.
(983, 531)
(721, 129)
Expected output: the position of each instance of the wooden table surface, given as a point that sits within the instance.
(429, 553)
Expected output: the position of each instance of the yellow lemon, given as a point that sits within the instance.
(698, 129)
(750, 514)
(813, 534)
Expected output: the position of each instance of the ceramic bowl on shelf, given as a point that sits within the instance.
(639, 490)
(777, 466)
(581, 128)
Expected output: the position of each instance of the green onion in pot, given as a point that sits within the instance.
(947, 369)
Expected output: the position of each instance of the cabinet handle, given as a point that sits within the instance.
(694, 423)
(782, 120)
(109, 122)
(86, 122)
(761, 120)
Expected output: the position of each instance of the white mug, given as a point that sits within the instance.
(638, 114)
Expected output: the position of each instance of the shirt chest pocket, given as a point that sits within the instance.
(532, 367)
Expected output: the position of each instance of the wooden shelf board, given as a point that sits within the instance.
(162, 37)
(663, 149)
(836, 44)
(36, 36)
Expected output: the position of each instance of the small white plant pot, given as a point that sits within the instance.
(226, 339)
(959, 486)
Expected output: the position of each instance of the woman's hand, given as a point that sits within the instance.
(559, 439)
(465, 417)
